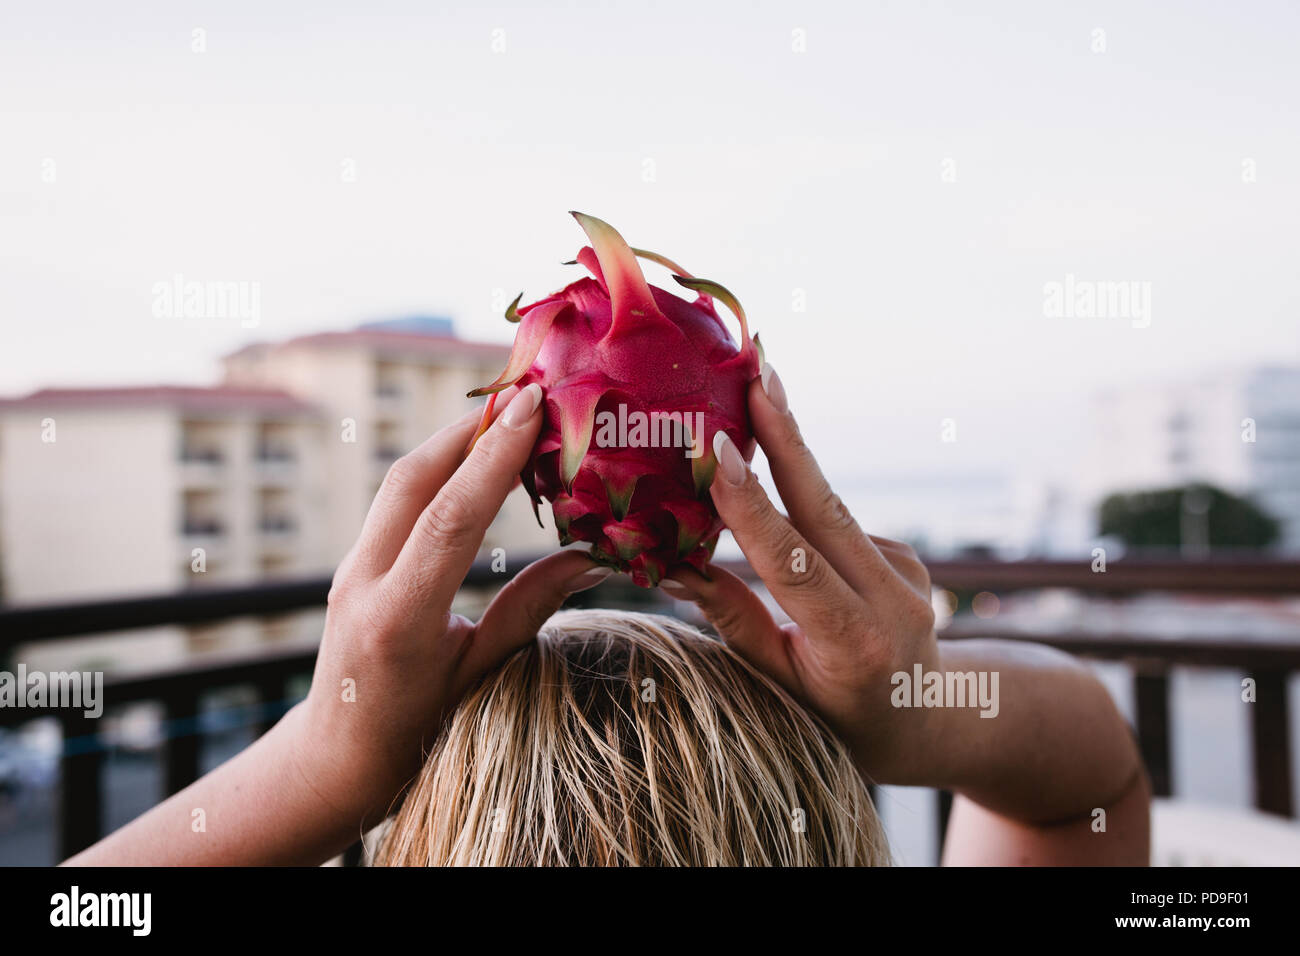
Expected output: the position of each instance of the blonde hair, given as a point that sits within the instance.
(633, 739)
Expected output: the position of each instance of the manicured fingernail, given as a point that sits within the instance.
(773, 388)
(587, 579)
(675, 588)
(730, 465)
(522, 406)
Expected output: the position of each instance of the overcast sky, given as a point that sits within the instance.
(917, 170)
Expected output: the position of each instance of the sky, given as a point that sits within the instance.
(887, 187)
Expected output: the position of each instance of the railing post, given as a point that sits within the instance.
(181, 746)
(1271, 743)
(80, 781)
(271, 693)
(943, 808)
(1151, 691)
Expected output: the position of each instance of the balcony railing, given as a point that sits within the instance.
(180, 688)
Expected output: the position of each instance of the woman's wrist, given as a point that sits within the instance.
(898, 741)
(348, 779)
(334, 798)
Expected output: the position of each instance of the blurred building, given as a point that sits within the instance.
(383, 388)
(107, 491)
(1239, 430)
(115, 491)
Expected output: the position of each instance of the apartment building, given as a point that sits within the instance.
(114, 491)
(384, 387)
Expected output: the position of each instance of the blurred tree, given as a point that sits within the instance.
(1194, 518)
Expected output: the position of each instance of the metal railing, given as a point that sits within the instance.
(180, 688)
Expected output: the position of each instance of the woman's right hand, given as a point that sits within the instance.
(860, 605)
(1030, 783)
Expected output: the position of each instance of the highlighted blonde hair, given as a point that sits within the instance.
(624, 739)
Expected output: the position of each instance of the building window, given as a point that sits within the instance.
(388, 380)
(201, 443)
(201, 513)
(388, 442)
(275, 512)
(275, 443)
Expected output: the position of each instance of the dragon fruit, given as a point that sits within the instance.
(637, 382)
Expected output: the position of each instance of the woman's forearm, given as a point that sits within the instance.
(1051, 775)
(1053, 747)
(258, 808)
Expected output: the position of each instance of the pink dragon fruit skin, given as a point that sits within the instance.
(613, 340)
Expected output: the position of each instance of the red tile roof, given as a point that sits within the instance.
(184, 397)
(385, 342)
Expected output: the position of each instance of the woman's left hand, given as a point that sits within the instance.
(392, 664)
(394, 659)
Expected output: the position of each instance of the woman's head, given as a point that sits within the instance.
(619, 739)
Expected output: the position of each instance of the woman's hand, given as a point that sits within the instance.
(394, 659)
(1031, 781)
(392, 663)
(860, 604)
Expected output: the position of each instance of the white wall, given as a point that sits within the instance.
(95, 511)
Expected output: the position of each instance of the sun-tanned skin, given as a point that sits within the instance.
(1029, 781)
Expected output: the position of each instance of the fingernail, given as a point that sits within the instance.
(587, 579)
(522, 406)
(731, 466)
(675, 588)
(773, 388)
